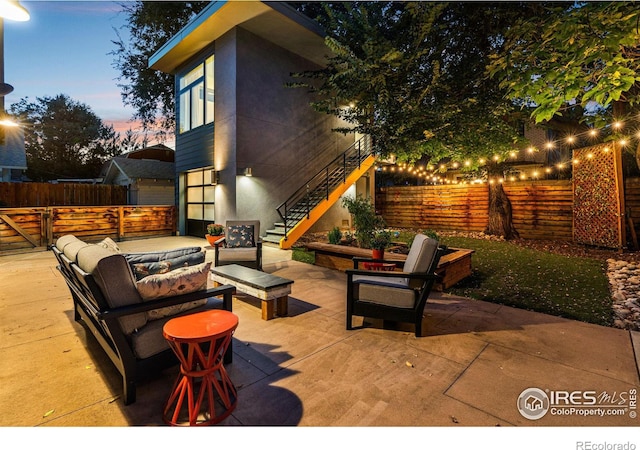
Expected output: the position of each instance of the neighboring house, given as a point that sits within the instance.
(13, 159)
(149, 175)
(250, 123)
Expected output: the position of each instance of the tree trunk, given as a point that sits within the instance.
(500, 217)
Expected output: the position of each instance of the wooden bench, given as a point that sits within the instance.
(272, 290)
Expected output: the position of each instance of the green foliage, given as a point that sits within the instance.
(570, 54)
(64, 138)
(365, 220)
(504, 273)
(412, 75)
(380, 239)
(335, 236)
(150, 92)
(214, 229)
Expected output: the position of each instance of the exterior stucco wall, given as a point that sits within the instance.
(278, 135)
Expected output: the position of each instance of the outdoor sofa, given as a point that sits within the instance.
(125, 300)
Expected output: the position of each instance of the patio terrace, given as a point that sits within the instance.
(307, 369)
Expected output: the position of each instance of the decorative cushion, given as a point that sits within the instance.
(179, 281)
(240, 236)
(109, 243)
(144, 269)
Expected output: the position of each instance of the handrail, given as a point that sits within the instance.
(307, 194)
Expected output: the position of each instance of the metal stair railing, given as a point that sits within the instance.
(299, 205)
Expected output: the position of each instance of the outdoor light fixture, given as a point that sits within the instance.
(13, 10)
(245, 171)
(215, 177)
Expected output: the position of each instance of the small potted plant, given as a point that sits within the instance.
(214, 231)
(380, 240)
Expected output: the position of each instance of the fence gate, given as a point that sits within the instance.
(598, 197)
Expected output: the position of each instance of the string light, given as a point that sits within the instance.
(572, 139)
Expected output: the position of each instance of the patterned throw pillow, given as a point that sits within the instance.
(179, 281)
(144, 269)
(240, 236)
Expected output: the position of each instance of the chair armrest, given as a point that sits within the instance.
(226, 290)
(219, 242)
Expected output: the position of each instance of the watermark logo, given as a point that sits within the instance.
(534, 403)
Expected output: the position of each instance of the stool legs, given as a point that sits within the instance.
(203, 380)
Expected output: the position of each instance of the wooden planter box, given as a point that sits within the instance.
(454, 266)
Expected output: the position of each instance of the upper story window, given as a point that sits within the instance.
(195, 91)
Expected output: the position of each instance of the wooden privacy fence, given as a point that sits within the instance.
(16, 195)
(28, 228)
(541, 209)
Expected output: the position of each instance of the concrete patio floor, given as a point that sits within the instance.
(307, 369)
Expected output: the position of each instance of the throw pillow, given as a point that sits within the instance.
(179, 281)
(109, 243)
(240, 236)
(144, 269)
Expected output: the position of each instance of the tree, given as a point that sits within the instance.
(150, 92)
(574, 57)
(413, 76)
(64, 138)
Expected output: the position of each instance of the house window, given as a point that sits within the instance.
(196, 96)
(200, 197)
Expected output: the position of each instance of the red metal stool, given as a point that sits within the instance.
(200, 341)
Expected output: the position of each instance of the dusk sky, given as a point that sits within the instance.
(64, 49)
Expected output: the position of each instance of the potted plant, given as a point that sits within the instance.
(380, 240)
(214, 231)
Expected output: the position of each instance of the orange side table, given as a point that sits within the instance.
(200, 341)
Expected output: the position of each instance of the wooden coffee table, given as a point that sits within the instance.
(272, 290)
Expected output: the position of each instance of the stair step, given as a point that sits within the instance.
(272, 239)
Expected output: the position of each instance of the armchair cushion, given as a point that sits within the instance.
(386, 295)
(238, 254)
(240, 236)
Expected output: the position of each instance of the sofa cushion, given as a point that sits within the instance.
(72, 248)
(145, 257)
(179, 281)
(113, 275)
(64, 240)
(144, 269)
(240, 236)
(148, 340)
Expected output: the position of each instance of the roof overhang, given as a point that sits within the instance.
(273, 21)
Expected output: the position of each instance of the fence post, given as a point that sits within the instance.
(120, 222)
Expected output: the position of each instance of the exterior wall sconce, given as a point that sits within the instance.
(215, 177)
(245, 171)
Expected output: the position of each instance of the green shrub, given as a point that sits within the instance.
(335, 236)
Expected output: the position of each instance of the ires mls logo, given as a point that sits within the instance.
(534, 403)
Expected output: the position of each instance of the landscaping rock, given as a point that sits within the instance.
(624, 278)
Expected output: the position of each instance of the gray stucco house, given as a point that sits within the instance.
(236, 117)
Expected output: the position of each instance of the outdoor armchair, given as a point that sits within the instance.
(395, 296)
(241, 244)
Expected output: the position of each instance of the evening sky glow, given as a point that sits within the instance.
(64, 49)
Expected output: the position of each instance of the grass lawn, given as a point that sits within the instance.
(571, 287)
